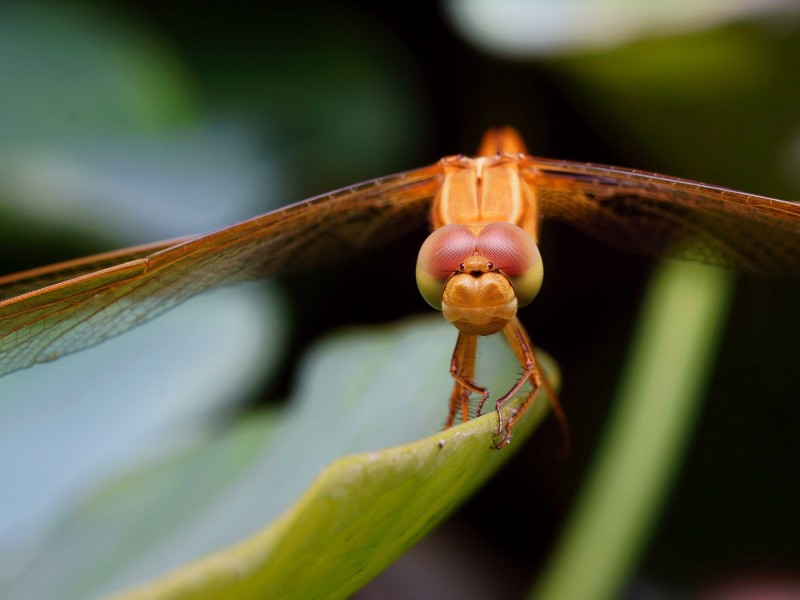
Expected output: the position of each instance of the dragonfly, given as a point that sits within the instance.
(479, 265)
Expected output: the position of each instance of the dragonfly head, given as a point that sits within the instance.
(478, 277)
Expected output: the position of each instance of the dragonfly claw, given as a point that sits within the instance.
(484, 398)
(502, 443)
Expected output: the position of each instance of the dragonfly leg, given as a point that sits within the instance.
(521, 344)
(462, 368)
(555, 406)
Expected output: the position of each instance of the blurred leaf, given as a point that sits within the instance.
(136, 189)
(68, 425)
(100, 135)
(357, 392)
(549, 27)
(717, 106)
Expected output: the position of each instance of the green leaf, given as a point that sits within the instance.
(66, 426)
(357, 392)
(361, 514)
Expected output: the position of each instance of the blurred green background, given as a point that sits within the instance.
(125, 122)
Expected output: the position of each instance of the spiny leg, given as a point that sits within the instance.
(521, 345)
(462, 368)
(555, 406)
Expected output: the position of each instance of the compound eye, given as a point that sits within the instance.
(512, 252)
(441, 255)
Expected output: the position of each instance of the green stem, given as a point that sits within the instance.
(649, 429)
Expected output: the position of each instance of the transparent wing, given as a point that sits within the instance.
(89, 300)
(656, 215)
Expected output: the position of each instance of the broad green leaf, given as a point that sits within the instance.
(70, 424)
(358, 392)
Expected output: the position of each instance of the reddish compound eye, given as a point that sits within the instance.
(512, 252)
(440, 256)
(445, 250)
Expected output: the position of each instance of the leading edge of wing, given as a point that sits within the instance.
(30, 280)
(655, 215)
(622, 179)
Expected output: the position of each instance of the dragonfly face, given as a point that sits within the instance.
(478, 299)
(479, 276)
(479, 265)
